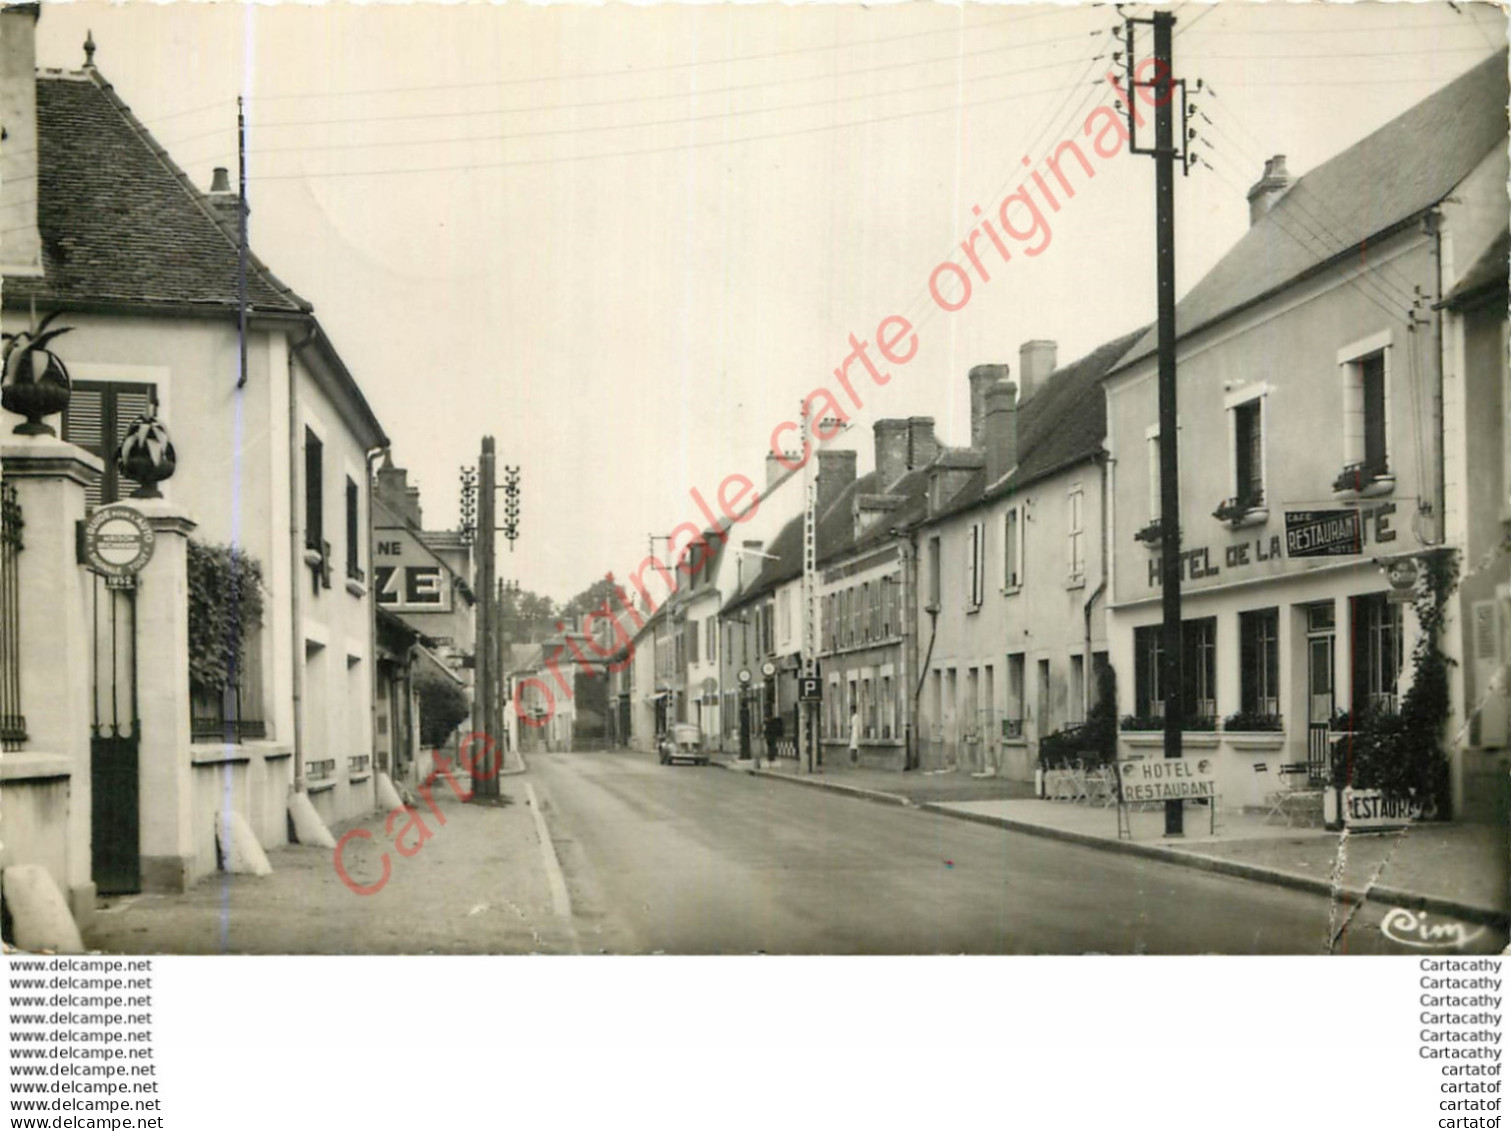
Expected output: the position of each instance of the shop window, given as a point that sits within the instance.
(1075, 710)
(1259, 661)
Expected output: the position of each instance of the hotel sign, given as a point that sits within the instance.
(1323, 534)
(1166, 779)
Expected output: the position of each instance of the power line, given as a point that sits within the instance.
(470, 167)
(662, 67)
(678, 121)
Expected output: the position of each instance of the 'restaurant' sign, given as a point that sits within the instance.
(1369, 810)
(1167, 779)
(1323, 534)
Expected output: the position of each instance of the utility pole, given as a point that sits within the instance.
(1165, 153)
(485, 781)
(809, 737)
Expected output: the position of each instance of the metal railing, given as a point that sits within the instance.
(12, 721)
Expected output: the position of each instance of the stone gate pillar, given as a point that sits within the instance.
(46, 784)
(162, 619)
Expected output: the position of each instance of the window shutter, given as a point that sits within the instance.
(96, 419)
(84, 425)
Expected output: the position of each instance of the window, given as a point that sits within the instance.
(96, 419)
(691, 632)
(1148, 672)
(712, 633)
(888, 708)
(1076, 532)
(874, 609)
(865, 611)
(1248, 452)
(975, 566)
(935, 564)
(1012, 721)
(1366, 373)
(1259, 661)
(1012, 550)
(1075, 711)
(867, 709)
(1377, 651)
(1198, 670)
(353, 538)
(314, 493)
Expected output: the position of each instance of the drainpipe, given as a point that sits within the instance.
(1441, 257)
(372, 619)
(296, 557)
(1090, 673)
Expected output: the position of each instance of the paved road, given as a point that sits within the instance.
(691, 860)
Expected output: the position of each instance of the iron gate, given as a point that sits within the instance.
(115, 743)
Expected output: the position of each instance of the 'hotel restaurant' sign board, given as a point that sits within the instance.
(1166, 779)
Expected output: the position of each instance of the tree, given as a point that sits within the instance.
(443, 707)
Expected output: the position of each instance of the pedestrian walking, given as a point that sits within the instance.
(854, 736)
(774, 730)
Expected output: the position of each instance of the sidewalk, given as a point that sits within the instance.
(478, 885)
(1449, 869)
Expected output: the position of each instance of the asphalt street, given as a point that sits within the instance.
(698, 860)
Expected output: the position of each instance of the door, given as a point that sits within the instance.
(1320, 703)
(114, 743)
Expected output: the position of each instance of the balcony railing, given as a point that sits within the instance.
(223, 716)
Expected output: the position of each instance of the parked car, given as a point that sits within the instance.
(684, 743)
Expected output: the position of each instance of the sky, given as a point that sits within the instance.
(627, 241)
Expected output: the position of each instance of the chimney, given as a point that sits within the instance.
(982, 378)
(1036, 361)
(836, 472)
(396, 493)
(224, 199)
(891, 451)
(775, 470)
(923, 448)
(1269, 188)
(1001, 429)
(20, 239)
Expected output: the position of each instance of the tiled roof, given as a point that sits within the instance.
(1405, 167)
(1062, 424)
(120, 222)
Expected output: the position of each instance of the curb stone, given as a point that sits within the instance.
(1379, 893)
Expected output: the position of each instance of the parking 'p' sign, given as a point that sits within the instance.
(118, 543)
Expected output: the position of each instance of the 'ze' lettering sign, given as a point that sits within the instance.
(1167, 779)
(411, 587)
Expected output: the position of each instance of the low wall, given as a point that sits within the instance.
(35, 799)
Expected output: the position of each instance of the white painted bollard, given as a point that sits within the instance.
(40, 920)
(308, 827)
(388, 796)
(239, 851)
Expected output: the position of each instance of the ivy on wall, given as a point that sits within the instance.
(225, 608)
(1401, 752)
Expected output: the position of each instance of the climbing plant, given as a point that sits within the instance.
(225, 608)
(1401, 752)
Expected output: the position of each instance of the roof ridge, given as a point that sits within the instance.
(191, 190)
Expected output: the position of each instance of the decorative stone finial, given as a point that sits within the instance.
(89, 48)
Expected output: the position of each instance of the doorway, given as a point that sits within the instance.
(115, 744)
(1321, 699)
